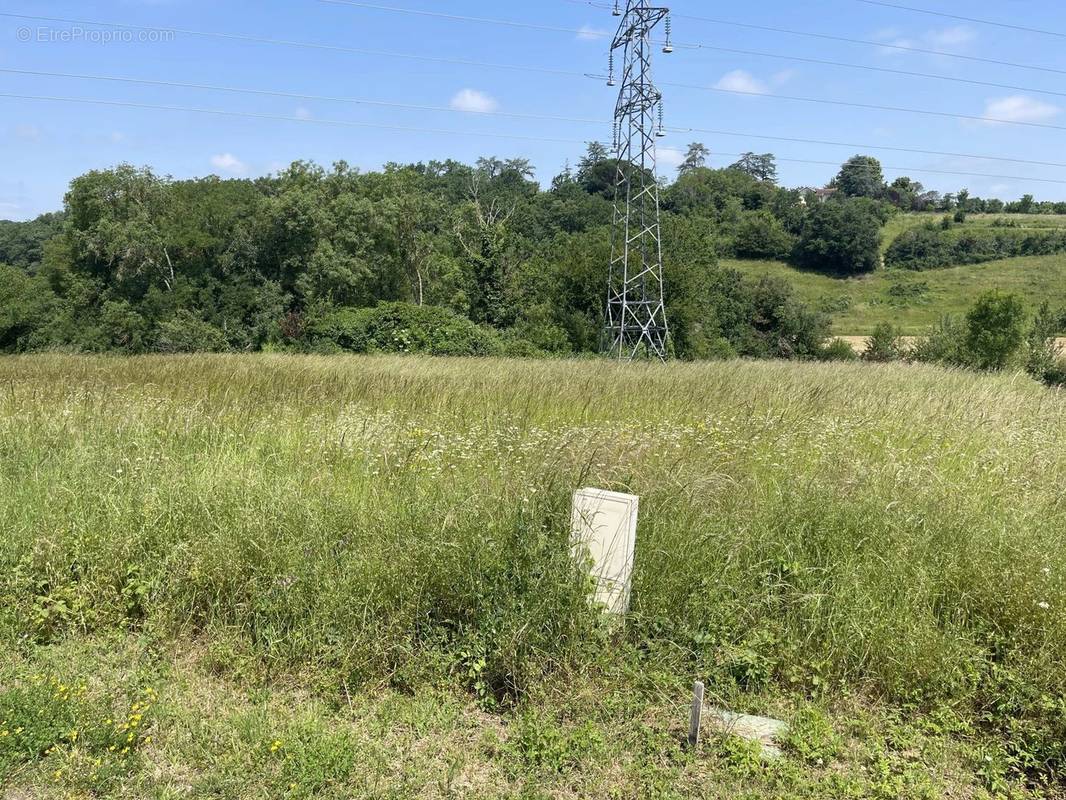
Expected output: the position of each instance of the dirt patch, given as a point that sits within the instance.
(862, 343)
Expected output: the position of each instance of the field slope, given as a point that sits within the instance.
(915, 301)
(309, 577)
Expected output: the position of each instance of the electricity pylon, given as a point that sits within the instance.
(636, 312)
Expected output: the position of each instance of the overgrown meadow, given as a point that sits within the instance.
(894, 536)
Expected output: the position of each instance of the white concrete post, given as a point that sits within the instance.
(604, 539)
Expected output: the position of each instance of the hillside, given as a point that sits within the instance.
(267, 576)
(914, 301)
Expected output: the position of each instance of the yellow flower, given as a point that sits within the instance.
(276, 745)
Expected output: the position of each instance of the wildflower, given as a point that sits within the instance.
(1044, 606)
(276, 745)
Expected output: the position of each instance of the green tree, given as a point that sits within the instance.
(761, 167)
(995, 330)
(861, 176)
(1042, 352)
(840, 238)
(885, 345)
(25, 303)
(695, 158)
(761, 235)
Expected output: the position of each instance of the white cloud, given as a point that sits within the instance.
(227, 162)
(954, 38)
(304, 113)
(1019, 108)
(474, 101)
(783, 77)
(959, 36)
(30, 133)
(740, 81)
(590, 34)
(669, 157)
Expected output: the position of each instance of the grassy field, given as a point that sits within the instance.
(915, 301)
(267, 576)
(905, 222)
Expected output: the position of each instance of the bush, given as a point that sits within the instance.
(885, 345)
(949, 246)
(945, 344)
(838, 350)
(761, 235)
(784, 326)
(995, 330)
(187, 333)
(403, 328)
(841, 238)
(1042, 360)
(25, 303)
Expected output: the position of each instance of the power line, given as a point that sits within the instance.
(516, 115)
(294, 95)
(869, 43)
(871, 106)
(282, 118)
(445, 131)
(240, 37)
(489, 65)
(513, 67)
(886, 70)
(417, 12)
(975, 20)
(844, 39)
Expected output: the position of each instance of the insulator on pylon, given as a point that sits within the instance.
(660, 131)
(610, 70)
(617, 11)
(669, 46)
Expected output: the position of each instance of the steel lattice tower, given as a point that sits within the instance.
(636, 313)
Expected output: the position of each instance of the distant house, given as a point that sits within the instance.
(825, 194)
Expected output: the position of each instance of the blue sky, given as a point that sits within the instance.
(45, 144)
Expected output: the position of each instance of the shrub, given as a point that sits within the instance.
(761, 235)
(838, 350)
(919, 249)
(932, 248)
(885, 345)
(945, 344)
(187, 333)
(1042, 358)
(403, 328)
(842, 238)
(784, 326)
(25, 303)
(995, 330)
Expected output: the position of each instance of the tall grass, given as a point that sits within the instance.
(895, 529)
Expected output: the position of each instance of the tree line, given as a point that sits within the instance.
(438, 256)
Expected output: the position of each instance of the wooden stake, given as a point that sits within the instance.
(697, 715)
